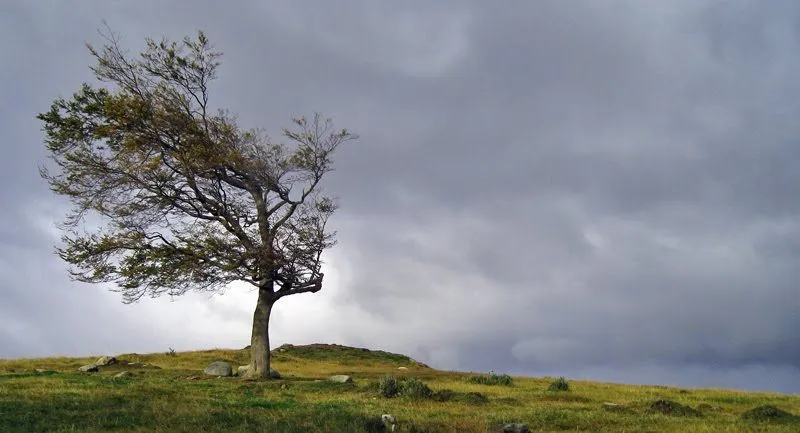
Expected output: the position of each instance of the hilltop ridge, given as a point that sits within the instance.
(168, 392)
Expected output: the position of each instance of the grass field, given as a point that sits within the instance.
(168, 393)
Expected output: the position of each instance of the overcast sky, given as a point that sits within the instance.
(605, 190)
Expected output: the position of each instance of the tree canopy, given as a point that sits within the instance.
(181, 197)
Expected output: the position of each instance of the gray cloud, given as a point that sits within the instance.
(600, 189)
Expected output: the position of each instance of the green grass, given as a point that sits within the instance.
(160, 397)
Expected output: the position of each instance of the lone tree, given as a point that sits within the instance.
(178, 196)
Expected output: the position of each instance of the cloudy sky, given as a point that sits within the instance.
(605, 190)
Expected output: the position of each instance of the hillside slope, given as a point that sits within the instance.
(168, 392)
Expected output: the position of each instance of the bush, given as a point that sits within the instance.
(559, 384)
(491, 379)
(766, 412)
(387, 386)
(415, 388)
(668, 407)
(443, 395)
(473, 398)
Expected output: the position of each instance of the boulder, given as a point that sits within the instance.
(341, 378)
(242, 370)
(515, 428)
(105, 360)
(219, 368)
(90, 368)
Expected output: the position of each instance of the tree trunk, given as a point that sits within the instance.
(259, 340)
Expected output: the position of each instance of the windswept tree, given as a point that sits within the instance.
(169, 195)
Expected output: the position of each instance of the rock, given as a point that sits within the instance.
(219, 368)
(123, 374)
(341, 378)
(243, 369)
(105, 360)
(193, 377)
(402, 368)
(90, 368)
(389, 421)
(515, 428)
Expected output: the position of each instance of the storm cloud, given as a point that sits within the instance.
(603, 190)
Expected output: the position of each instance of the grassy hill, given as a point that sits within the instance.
(167, 392)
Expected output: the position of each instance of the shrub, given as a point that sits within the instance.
(766, 412)
(559, 384)
(492, 379)
(443, 395)
(415, 388)
(473, 398)
(668, 407)
(387, 386)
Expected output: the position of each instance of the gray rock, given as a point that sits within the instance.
(105, 360)
(90, 368)
(341, 378)
(219, 368)
(402, 368)
(389, 421)
(123, 374)
(515, 428)
(243, 369)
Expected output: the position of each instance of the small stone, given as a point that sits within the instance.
(219, 368)
(90, 368)
(389, 421)
(402, 368)
(341, 378)
(192, 377)
(515, 428)
(105, 360)
(123, 374)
